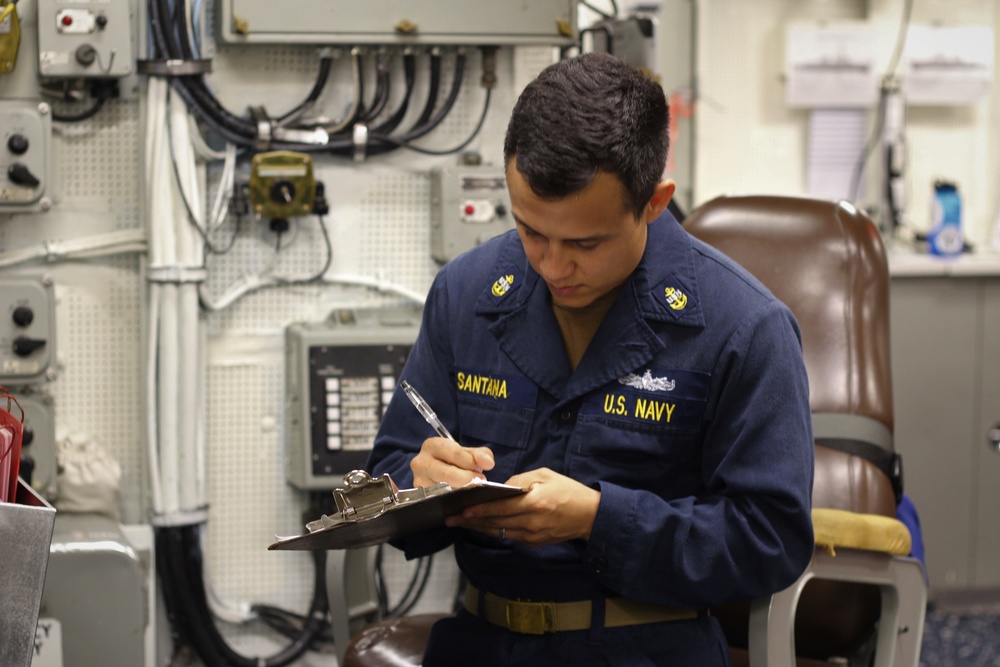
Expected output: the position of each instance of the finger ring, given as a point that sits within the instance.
(503, 533)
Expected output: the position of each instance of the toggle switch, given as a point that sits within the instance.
(23, 346)
(21, 175)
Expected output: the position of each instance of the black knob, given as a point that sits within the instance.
(101, 21)
(86, 55)
(283, 192)
(21, 175)
(23, 316)
(27, 437)
(17, 144)
(23, 346)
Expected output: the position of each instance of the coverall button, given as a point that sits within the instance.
(599, 565)
(566, 415)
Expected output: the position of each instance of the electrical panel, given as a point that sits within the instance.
(84, 39)
(340, 376)
(27, 330)
(25, 156)
(39, 443)
(401, 22)
(468, 206)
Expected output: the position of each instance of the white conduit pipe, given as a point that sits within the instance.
(189, 255)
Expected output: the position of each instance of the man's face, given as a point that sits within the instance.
(583, 246)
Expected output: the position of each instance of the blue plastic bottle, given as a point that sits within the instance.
(946, 238)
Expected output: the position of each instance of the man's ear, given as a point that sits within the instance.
(662, 195)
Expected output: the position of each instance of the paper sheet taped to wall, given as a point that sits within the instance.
(948, 65)
(373, 511)
(830, 65)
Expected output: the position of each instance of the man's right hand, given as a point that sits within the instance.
(443, 460)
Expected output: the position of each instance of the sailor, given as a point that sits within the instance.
(648, 391)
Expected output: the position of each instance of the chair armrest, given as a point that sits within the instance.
(853, 530)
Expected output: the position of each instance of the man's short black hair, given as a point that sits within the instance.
(585, 115)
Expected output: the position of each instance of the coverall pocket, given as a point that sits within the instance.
(502, 429)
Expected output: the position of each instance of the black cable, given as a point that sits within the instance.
(415, 589)
(195, 86)
(325, 66)
(429, 120)
(409, 77)
(433, 88)
(83, 115)
(213, 114)
(429, 124)
(381, 95)
(604, 14)
(242, 132)
(179, 563)
(449, 151)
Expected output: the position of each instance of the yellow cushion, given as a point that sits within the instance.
(852, 530)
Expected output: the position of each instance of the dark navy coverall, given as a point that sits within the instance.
(689, 412)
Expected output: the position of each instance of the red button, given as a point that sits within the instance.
(67, 20)
(469, 209)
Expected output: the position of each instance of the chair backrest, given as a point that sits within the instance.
(825, 260)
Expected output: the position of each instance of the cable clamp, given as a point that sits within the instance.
(360, 139)
(316, 137)
(52, 253)
(177, 275)
(180, 518)
(174, 67)
(265, 128)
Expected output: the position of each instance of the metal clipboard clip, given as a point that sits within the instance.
(366, 498)
(372, 511)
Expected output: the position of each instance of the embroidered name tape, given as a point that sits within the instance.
(517, 392)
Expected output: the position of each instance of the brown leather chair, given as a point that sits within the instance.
(826, 261)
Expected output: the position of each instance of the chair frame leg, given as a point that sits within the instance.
(904, 605)
(351, 593)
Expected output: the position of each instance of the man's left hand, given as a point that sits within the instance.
(555, 509)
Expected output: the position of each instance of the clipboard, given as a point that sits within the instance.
(372, 511)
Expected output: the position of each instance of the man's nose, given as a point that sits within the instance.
(556, 264)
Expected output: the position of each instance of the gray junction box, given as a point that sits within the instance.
(469, 205)
(340, 376)
(400, 22)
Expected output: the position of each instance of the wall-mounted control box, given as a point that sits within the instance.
(25, 156)
(27, 330)
(468, 206)
(340, 376)
(39, 443)
(84, 39)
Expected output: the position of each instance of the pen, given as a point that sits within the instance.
(421, 405)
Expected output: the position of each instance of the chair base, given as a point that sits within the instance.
(904, 604)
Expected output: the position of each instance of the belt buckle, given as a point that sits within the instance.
(530, 618)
